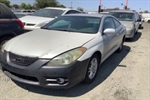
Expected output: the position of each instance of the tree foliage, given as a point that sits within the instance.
(62, 6)
(6, 2)
(23, 5)
(79, 8)
(146, 11)
(28, 6)
(46, 3)
(15, 6)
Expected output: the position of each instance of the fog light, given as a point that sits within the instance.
(60, 80)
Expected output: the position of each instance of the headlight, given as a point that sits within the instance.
(130, 26)
(41, 24)
(68, 57)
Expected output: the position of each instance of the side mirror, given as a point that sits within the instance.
(109, 31)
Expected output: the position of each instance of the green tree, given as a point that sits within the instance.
(116, 8)
(23, 5)
(146, 11)
(46, 3)
(79, 8)
(62, 6)
(28, 6)
(6, 2)
(15, 6)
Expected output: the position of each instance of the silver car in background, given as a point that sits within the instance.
(64, 52)
(130, 19)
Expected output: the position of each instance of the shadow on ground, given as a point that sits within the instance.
(136, 37)
(105, 70)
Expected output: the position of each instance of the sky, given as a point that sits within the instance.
(92, 5)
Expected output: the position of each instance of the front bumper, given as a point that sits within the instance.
(130, 33)
(46, 76)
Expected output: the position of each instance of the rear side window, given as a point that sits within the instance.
(117, 23)
(6, 13)
(73, 12)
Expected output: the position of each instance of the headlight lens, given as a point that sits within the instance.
(130, 26)
(68, 57)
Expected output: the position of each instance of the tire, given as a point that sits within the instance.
(121, 46)
(136, 32)
(92, 69)
(3, 40)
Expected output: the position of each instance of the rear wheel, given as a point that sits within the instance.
(92, 69)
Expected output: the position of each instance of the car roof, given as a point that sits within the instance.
(126, 11)
(88, 15)
(58, 8)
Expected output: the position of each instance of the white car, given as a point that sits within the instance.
(43, 16)
(64, 52)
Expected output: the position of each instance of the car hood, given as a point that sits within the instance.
(35, 19)
(43, 43)
(125, 23)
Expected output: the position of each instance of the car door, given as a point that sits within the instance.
(119, 30)
(108, 39)
(136, 23)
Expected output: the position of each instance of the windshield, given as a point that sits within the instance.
(19, 15)
(79, 24)
(52, 13)
(123, 16)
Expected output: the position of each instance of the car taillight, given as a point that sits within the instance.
(20, 23)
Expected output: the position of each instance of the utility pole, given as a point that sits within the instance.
(126, 6)
(99, 7)
(71, 4)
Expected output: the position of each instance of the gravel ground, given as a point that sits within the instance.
(123, 76)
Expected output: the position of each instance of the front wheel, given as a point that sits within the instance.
(92, 69)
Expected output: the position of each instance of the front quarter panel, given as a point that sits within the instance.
(93, 46)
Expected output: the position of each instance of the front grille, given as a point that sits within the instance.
(20, 60)
(29, 78)
(28, 24)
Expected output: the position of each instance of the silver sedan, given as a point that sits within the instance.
(64, 52)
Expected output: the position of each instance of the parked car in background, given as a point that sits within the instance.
(24, 11)
(64, 52)
(10, 25)
(141, 22)
(43, 16)
(146, 17)
(130, 19)
(19, 15)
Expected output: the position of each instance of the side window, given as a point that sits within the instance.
(117, 23)
(75, 12)
(5, 13)
(24, 11)
(108, 23)
(69, 12)
(29, 11)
